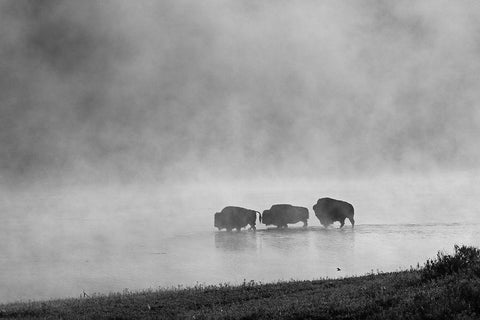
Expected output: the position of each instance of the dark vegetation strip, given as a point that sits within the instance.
(447, 287)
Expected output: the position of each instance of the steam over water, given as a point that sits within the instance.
(140, 239)
(125, 125)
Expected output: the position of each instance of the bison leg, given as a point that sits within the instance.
(229, 229)
(352, 221)
(253, 227)
(305, 223)
(342, 223)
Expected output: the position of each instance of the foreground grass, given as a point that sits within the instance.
(447, 287)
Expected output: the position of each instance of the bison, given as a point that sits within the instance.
(236, 218)
(330, 210)
(282, 214)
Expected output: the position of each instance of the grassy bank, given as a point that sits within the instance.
(447, 287)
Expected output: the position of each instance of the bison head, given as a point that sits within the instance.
(267, 217)
(325, 220)
(218, 222)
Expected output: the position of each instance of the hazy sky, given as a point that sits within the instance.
(157, 90)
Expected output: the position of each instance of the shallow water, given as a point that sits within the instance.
(66, 268)
(63, 243)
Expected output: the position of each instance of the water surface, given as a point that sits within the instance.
(71, 264)
(61, 243)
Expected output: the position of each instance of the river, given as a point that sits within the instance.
(67, 244)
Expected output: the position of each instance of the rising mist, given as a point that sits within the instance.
(157, 91)
(124, 125)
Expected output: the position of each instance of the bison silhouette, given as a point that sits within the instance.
(281, 215)
(330, 210)
(236, 218)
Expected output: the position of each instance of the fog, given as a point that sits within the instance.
(121, 92)
(122, 122)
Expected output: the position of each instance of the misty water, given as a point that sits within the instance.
(63, 244)
(124, 126)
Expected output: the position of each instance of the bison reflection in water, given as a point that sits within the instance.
(330, 210)
(282, 214)
(236, 218)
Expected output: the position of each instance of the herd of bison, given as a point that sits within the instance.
(327, 211)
